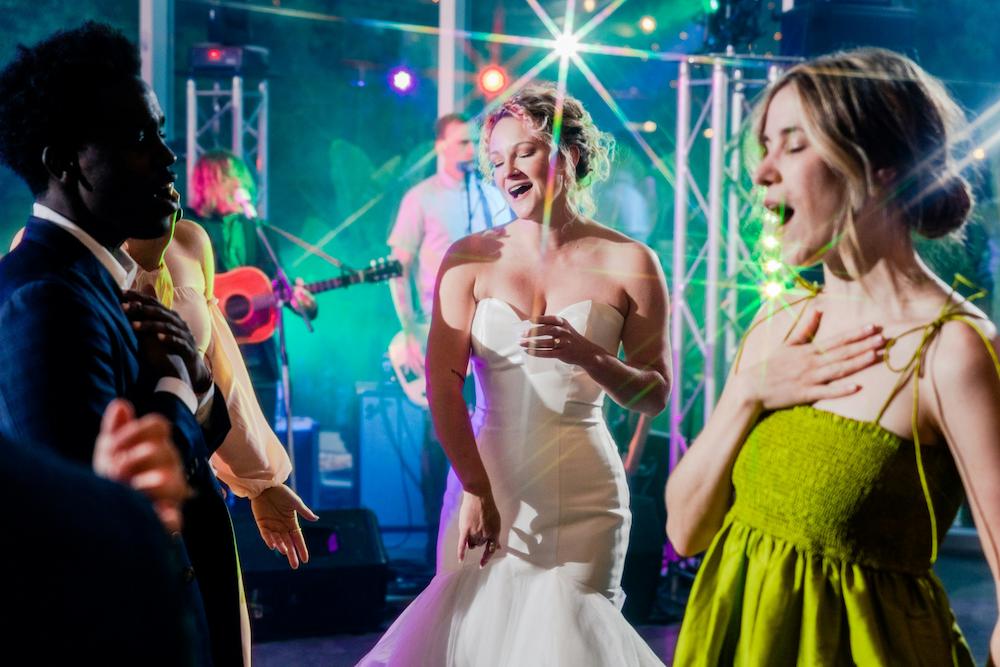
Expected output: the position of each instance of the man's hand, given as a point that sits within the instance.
(304, 301)
(162, 333)
(276, 511)
(415, 362)
(140, 453)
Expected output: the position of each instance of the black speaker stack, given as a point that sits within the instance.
(341, 589)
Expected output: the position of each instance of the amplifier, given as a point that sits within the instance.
(341, 589)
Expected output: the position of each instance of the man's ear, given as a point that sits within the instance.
(60, 164)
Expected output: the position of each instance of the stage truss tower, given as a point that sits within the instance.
(714, 274)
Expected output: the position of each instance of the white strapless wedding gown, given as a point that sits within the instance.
(551, 595)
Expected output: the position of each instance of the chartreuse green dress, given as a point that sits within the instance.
(826, 555)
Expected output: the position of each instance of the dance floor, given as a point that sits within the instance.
(965, 575)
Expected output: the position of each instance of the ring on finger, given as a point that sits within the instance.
(555, 342)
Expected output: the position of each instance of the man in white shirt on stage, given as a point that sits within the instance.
(435, 213)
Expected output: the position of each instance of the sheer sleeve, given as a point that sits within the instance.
(251, 459)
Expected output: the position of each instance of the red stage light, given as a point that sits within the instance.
(492, 79)
(214, 55)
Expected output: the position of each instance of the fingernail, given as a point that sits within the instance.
(136, 325)
(161, 336)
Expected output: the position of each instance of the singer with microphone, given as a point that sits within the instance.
(222, 199)
(433, 214)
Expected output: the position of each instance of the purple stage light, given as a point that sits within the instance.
(402, 80)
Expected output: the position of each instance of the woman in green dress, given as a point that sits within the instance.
(857, 412)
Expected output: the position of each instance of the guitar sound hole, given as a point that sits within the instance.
(238, 308)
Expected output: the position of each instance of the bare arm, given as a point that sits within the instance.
(448, 350)
(794, 372)
(967, 407)
(641, 382)
(401, 290)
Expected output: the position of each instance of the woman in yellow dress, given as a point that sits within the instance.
(836, 457)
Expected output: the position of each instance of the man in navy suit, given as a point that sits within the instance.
(81, 128)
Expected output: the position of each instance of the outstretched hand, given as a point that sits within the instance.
(802, 371)
(139, 453)
(276, 511)
(478, 525)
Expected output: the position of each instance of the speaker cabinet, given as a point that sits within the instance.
(341, 589)
(389, 456)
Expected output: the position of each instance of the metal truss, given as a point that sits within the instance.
(233, 118)
(711, 204)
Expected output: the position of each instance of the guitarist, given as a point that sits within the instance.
(433, 214)
(222, 198)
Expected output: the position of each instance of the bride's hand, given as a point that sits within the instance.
(563, 342)
(478, 525)
(802, 371)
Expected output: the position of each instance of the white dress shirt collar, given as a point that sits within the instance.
(121, 267)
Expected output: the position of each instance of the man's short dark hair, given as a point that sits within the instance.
(442, 123)
(45, 93)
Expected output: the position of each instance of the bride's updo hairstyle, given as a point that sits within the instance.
(535, 106)
(872, 109)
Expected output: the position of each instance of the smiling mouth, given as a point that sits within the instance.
(518, 190)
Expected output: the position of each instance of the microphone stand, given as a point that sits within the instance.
(283, 293)
(467, 173)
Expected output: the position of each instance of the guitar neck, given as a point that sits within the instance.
(335, 283)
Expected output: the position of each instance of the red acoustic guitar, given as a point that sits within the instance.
(246, 296)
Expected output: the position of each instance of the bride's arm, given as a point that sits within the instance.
(641, 382)
(448, 349)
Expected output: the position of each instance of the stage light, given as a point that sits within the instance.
(215, 55)
(647, 24)
(979, 154)
(708, 133)
(492, 79)
(770, 242)
(402, 80)
(589, 5)
(649, 127)
(773, 289)
(713, 6)
(566, 45)
(772, 266)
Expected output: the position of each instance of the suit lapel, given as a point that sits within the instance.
(70, 258)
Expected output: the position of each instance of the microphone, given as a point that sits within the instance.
(241, 196)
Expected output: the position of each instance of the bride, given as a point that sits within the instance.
(541, 305)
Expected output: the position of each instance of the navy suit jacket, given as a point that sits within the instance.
(67, 350)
